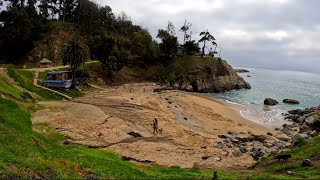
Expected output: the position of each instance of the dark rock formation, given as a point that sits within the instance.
(291, 101)
(241, 71)
(134, 134)
(270, 102)
(223, 79)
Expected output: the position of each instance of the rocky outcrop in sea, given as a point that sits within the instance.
(214, 77)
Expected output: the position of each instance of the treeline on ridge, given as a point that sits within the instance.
(113, 39)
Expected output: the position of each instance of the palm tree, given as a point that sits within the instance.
(206, 36)
(75, 53)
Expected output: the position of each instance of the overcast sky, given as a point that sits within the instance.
(281, 34)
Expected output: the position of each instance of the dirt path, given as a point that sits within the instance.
(120, 119)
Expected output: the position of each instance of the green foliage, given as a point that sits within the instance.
(191, 48)
(206, 36)
(16, 34)
(142, 46)
(300, 142)
(169, 43)
(75, 53)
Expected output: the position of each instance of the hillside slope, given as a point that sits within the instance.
(25, 153)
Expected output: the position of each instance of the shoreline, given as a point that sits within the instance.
(241, 108)
(233, 111)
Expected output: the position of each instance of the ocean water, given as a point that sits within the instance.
(276, 84)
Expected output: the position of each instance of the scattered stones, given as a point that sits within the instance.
(270, 102)
(291, 101)
(163, 89)
(185, 118)
(270, 134)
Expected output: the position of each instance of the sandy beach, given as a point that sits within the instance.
(120, 119)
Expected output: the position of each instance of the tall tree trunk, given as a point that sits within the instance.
(215, 48)
(203, 48)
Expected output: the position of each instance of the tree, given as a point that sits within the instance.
(171, 28)
(101, 46)
(106, 18)
(185, 28)
(206, 36)
(142, 45)
(31, 9)
(44, 9)
(87, 13)
(191, 47)
(16, 34)
(169, 44)
(75, 53)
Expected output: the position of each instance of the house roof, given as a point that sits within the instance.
(45, 61)
(58, 72)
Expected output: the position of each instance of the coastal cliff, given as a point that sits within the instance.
(206, 75)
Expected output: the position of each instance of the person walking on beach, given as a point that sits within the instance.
(155, 126)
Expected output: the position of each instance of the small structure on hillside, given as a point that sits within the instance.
(58, 79)
(45, 63)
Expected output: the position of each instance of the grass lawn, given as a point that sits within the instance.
(25, 80)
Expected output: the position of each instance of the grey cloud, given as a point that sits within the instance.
(281, 34)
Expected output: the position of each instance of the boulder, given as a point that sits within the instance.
(314, 133)
(309, 121)
(228, 136)
(273, 150)
(270, 102)
(291, 101)
(221, 146)
(306, 163)
(243, 149)
(237, 153)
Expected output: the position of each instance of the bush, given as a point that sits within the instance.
(300, 142)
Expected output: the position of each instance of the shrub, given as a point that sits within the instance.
(300, 142)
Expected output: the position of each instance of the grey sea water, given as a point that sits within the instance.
(277, 84)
